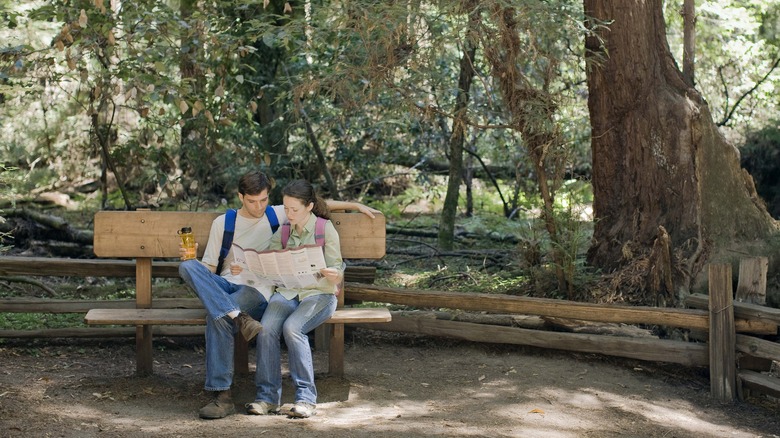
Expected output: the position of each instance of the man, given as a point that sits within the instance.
(230, 306)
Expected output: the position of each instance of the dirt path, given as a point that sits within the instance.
(397, 386)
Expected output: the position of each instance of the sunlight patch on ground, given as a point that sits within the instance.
(678, 415)
(591, 404)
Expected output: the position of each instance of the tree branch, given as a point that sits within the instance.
(755, 86)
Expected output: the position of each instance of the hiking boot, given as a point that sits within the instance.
(261, 408)
(303, 410)
(220, 407)
(247, 325)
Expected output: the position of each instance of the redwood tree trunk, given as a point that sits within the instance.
(659, 163)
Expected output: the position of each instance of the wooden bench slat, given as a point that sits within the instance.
(349, 316)
(147, 233)
(198, 316)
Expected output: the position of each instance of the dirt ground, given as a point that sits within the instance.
(396, 386)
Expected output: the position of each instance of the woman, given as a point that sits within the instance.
(293, 313)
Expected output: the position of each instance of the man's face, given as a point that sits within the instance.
(254, 205)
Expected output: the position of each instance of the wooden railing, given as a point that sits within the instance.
(731, 328)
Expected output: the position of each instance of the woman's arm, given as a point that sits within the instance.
(332, 253)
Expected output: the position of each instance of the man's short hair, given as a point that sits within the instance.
(252, 183)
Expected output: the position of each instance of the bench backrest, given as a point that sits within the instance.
(147, 233)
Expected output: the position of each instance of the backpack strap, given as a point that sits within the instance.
(319, 232)
(272, 219)
(227, 237)
(230, 230)
(285, 234)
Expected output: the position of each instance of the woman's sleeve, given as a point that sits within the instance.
(332, 247)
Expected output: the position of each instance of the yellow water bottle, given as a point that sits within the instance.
(188, 242)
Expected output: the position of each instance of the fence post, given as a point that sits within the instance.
(751, 287)
(722, 334)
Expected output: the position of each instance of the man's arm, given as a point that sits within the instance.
(344, 205)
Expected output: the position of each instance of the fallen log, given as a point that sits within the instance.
(61, 228)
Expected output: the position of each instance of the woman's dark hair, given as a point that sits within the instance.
(253, 183)
(303, 190)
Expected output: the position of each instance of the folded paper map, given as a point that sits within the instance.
(296, 268)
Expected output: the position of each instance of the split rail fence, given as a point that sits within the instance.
(736, 351)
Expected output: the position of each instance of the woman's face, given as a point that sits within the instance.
(297, 213)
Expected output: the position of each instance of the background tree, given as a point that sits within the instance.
(669, 193)
(737, 59)
(459, 127)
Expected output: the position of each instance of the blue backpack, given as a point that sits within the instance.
(230, 229)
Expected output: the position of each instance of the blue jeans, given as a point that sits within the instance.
(292, 319)
(220, 297)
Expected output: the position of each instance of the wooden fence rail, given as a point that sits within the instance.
(723, 320)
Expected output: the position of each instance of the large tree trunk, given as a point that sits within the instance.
(659, 163)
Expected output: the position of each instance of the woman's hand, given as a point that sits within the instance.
(368, 211)
(332, 274)
(235, 269)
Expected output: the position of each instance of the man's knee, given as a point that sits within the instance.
(187, 267)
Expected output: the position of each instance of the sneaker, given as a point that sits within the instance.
(303, 410)
(220, 407)
(261, 408)
(247, 325)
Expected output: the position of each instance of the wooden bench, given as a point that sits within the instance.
(146, 235)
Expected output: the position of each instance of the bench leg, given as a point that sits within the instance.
(240, 355)
(143, 350)
(336, 356)
(322, 337)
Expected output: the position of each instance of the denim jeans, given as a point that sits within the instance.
(220, 297)
(292, 319)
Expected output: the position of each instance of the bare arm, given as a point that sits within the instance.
(344, 205)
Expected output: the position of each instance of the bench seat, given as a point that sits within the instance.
(333, 338)
(198, 316)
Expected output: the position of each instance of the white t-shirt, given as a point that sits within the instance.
(249, 233)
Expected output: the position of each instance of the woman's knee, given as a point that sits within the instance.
(292, 330)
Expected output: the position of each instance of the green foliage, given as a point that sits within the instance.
(8, 176)
(38, 321)
(761, 157)
(736, 60)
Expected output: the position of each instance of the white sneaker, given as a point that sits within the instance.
(303, 410)
(261, 408)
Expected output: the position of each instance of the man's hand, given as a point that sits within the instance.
(183, 250)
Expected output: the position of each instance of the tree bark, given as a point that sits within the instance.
(658, 158)
(689, 40)
(532, 108)
(195, 159)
